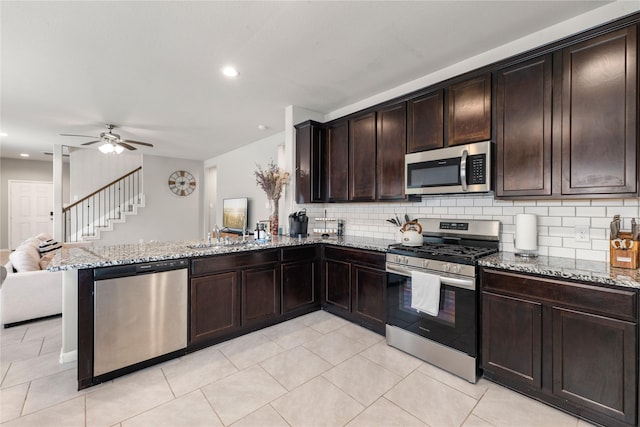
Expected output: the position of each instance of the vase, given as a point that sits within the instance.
(273, 219)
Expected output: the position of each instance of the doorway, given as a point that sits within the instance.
(30, 210)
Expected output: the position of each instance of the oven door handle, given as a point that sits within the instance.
(468, 284)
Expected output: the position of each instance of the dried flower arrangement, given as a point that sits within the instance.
(272, 180)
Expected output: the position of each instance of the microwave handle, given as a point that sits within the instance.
(463, 170)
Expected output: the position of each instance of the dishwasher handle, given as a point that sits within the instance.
(117, 271)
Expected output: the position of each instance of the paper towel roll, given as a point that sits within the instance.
(526, 232)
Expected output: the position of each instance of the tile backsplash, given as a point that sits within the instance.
(557, 219)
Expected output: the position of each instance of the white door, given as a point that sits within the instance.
(30, 210)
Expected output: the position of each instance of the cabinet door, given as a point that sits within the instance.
(260, 294)
(599, 97)
(362, 158)
(310, 159)
(469, 111)
(512, 338)
(338, 162)
(595, 363)
(391, 147)
(214, 306)
(523, 134)
(337, 289)
(369, 292)
(426, 122)
(298, 285)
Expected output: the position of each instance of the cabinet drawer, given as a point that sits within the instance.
(616, 303)
(373, 259)
(217, 263)
(298, 253)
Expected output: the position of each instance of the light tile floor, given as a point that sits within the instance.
(316, 370)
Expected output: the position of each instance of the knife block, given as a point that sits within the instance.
(624, 258)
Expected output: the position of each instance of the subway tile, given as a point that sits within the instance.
(594, 211)
(576, 203)
(601, 222)
(550, 221)
(472, 210)
(537, 210)
(550, 241)
(570, 242)
(503, 203)
(483, 201)
(504, 219)
(562, 252)
(561, 231)
(573, 221)
(512, 210)
(607, 202)
(623, 211)
(524, 203)
(491, 210)
(562, 211)
(549, 203)
(591, 255)
(602, 245)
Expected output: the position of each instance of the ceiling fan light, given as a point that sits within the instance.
(118, 149)
(106, 148)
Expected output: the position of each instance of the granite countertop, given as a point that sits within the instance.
(75, 258)
(565, 268)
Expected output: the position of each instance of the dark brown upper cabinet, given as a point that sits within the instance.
(362, 158)
(599, 100)
(391, 146)
(523, 128)
(338, 161)
(469, 111)
(425, 122)
(310, 162)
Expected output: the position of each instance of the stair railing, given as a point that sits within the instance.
(83, 218)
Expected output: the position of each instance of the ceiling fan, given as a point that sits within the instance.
(111, 142)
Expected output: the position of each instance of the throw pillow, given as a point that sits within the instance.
(22, 261)
(48, 246)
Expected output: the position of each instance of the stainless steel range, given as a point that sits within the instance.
(432, 303)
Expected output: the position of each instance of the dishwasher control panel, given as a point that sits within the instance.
(135, 269)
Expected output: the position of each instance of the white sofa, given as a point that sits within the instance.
(27, 295)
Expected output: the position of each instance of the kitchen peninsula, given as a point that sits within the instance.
(230, 288)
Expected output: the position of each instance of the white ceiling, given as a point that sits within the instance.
(153, 68)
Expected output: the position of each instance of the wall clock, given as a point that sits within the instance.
(182, 183)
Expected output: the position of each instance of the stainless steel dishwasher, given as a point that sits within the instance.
(140, 312)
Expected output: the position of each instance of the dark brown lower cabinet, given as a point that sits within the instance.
(232, 294)
(300, 292)
(214, 306)
(512, 338)
(355, 283)
(572, 345)
(260, 294)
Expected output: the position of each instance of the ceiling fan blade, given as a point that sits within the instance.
(90, 142)
(125, 145)
(146, 144)
(70, 134)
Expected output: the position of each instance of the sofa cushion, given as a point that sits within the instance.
(22, 260)
(45, 260)
(48, 246)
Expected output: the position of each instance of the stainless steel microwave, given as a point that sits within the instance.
(457, 169)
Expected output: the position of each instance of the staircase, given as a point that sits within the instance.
(97, 213)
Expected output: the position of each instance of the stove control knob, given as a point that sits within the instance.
(446, 267)
(425, 263)
(398, 259)
(456, 269)
(406, 260)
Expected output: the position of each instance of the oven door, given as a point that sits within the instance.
(455, 325)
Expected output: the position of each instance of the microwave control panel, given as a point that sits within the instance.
(476, 169)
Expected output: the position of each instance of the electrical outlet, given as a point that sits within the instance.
(582, 233)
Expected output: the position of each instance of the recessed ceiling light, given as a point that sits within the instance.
(24, 155)
(263, 127)
(230, 71)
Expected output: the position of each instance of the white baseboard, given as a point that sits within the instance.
(70, 356)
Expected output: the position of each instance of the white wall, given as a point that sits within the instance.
(28, 170)
(165, 216)
(235, 176)
(91, 170)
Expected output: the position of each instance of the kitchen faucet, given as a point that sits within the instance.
(217, 230)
